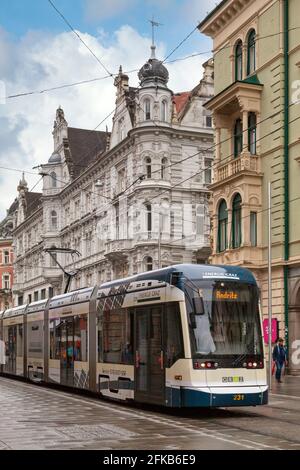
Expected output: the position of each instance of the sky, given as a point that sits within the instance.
(38, 51)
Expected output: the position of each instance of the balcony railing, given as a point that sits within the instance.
(117, 246)
(244, 162)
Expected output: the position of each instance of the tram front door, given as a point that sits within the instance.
(149, 361)
(66, 353)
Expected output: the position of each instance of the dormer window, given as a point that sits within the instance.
(163, 168)
(164, 111)
(53, 220)
(53, 179)
(147, 110)
(148, 168)
(239, 61)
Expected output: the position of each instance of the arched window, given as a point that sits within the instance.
(164, 110)
(238, 138)
(222, 226)
(147, 109)
(148, 168)
(149, 263)
(252, 133)
(54, 220)
(53, 179)
(236, 221)
(251, 52)
(163, 168)
(239, 61)
(149, 219)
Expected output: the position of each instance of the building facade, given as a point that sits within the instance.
(6, 259)
(129, 201)
(256, 115)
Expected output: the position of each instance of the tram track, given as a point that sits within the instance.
(209, 423)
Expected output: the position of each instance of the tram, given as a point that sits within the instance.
(182, 336)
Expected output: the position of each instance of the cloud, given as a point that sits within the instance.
(42, 60)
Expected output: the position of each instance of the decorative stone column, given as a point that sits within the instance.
(218, 145)
(245, 130)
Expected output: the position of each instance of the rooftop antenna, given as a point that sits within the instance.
(153, 24)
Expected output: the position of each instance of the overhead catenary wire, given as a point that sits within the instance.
(185, 180)
(182, 239)
(202, 151)
(80, 38)
(175, 185)
(110, 75)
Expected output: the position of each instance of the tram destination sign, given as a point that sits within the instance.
(231, 295)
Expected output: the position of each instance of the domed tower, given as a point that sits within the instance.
(154, 96)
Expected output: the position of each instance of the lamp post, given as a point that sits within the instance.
(270, 282)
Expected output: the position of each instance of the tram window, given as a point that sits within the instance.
(116, 338)
(20, 340)
(54, 339)
(174, 341)
(80, 338)
(35, 338)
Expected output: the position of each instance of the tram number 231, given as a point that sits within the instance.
(238, 397)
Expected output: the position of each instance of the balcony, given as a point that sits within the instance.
(248, 256)
(244, 164)
(117, 249)
(52, 275)
(5, 292)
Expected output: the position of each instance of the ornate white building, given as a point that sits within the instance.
(128, 200)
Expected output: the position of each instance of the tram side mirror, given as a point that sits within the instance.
(198, 305)
(174, 278)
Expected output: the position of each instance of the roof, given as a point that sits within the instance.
(85, 146)
(33, 201)
(218, 7)
(190, 271)
(180, 100)
(13, 207)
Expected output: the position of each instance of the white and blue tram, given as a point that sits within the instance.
(182, 336)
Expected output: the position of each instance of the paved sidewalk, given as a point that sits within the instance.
(290, 386)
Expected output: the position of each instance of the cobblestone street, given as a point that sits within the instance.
(34, 417)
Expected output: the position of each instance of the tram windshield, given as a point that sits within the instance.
(224, 320)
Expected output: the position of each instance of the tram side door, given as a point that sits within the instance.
(149, 361)
(12, 349)
(67, 352)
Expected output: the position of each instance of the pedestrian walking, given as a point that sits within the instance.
(279, 358)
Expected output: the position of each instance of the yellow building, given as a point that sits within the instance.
(257, 139)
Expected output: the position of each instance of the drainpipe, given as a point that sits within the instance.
(286, 168)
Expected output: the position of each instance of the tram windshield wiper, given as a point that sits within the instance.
(242, 356)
